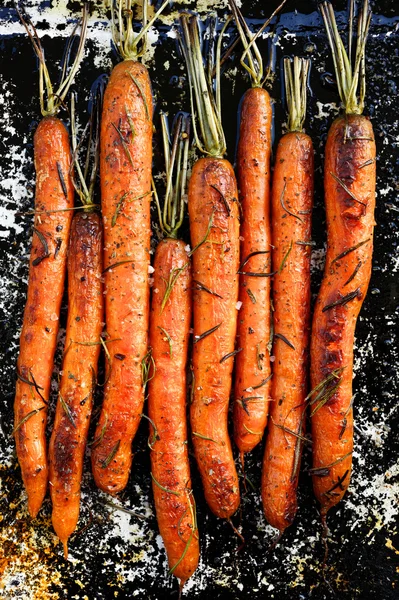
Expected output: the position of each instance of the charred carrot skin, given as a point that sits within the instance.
(292, 200)
(252, 371)
(169, 337)
(79, 372)
(349, 182)
(54, 192)
(125, 168)
(214, 226)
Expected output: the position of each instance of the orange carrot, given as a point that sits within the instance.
(214, 228)
(169, 336)
(292, 199)
(125, 169)
(349, 184)
(82, 349)
(252, 371)
(53, 203)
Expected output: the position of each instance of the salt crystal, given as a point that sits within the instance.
(151, 269)
(238, 305)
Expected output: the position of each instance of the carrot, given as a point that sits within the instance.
(169, 336)
(292, 199)
(53, 204)
(349, 184)
(125, 172)
(82, 349)
(214, 229)
(252, 371)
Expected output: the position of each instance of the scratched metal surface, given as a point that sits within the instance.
(118, 554)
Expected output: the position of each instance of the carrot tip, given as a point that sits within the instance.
(65, 545)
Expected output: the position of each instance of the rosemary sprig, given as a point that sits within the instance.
(201, 286)
(170, 283)
(67, 410)
(282, 337)
(285, 257)
(46, 252)
(349, 250)
(168, 338)
(26, 418)
(347, 190)
(117, 264)
(124, 144)
(247, 258)
(62, 180)
(105, 463)
(355, 272)
(198, 338)
(289, 212)
(344, 300)
(229, 355)
(164, 489)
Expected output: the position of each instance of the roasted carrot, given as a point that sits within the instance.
(53, 204)
(252, 370)
(82, 347)
(125, 170)
(214, 229)
(292, 199)
(170, 321)
(349, 185)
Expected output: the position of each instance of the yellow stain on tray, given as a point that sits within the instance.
(27, 553)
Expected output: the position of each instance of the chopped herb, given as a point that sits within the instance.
(347, 190)
(260, 433)
(26, 417)
(349, 250)
(67, 411)
(62, 180)
(344, 300)
(146, 364)
(120, 203)
(155, 435)
(229, 355)
(305, 243)
(164, 489)
(170, 283)
(203, 437)
(251, 295)
(285, 208)
(117, 264)
(338, 484)
(100, 437)
(325, 471)
(46, 254)
(201, 286)
(111, 455)
(355, 272)
(259, 357)
(244, 262)
(368, 162)
(57, 247)
(168, 338)
(208, 230)
(281, 267)
(136, 83)
(225, 203)
(124, 144)
(198, 338)
(262, 383)
(250, 274)
(282, 337)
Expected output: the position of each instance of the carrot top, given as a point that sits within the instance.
(176, 158)
(295, 75)
(251, 58)
(50, 100)
(351, 78)
(131, 46)
(86, 177)
(205, 103)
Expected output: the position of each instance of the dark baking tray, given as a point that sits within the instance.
(117, 554)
